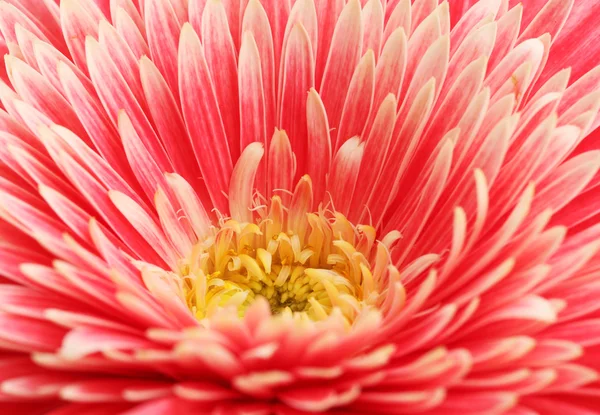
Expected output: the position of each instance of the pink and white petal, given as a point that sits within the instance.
(220, 55)
(105, 390)
(550, 19)
(107, 79)
(145, 227)
(580, 88)
(373, 26)
(256, 21)
(531, 50)
(344, 173)
(570, 49)
(169, 124)
(418, 43)
(132, 33)
(278, 13)
(163, 28)
(398, 15)
(389, 71)
(35, 90)
(147, 172)
(421, 10)
(122, 56)
(425, 194)
(97, 195)
(328, 13)
(452, 106)
(242, 185)
(434, 64)
(569, 179)
(296, 79)
(25, 334)
(302, 202)
(190, 204)
(319, 142)
(252, 111)
(130, 8)
(481, 13)
(305, 13)
(58, 139)
(46, 16)
(178, 231)
(405, 141)
(205, 392)
(344, 54)
(68, 211)
(49, 60)
(375, 155)
(112, 250)
(508, 31)
(206, 131)
(406, 401)
(282, 164)
(3, 51)
(10, 17)
(477, 403)
(477, 45)
(26, 41)
(79, 19)
(358, 102)
(95, 121)
(319, 399)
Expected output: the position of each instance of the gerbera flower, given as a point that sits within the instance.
(284, 207)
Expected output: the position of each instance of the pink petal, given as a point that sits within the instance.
(373, 30)
(282, 165)
(129, 25)
(78, 20)
(296, 79)
(344, 173)
(375, 155)
(192, 206)
(389, 71)
(107, 79)
(506, 38)
(163, 28)
(256, 21)
(35, 90)
(398, 15)
(253, 125)
(358, 101)
(241, 187)
(125, 61)
(180, 235)
(145, 226)
(319, 140)
(328, 13)
(207, 133)
(220, 55)
(344, 54)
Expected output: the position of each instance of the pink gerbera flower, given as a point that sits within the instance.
(284, 207)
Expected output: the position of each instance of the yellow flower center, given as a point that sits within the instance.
(305, 264)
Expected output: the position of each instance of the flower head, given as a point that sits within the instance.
(289, 207)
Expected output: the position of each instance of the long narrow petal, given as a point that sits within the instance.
(241, 188)
(206, 131)
(296, 79)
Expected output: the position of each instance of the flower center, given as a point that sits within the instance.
(307, 264)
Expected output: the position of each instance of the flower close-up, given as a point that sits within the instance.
(286, 207)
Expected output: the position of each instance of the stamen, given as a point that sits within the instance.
(307, 273)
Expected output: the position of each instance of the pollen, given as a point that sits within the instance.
(301, 263)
